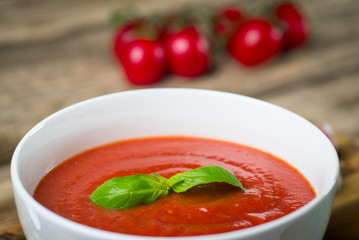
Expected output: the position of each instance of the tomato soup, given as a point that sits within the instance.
(273, 188)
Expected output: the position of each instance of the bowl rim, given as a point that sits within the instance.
(19, 188)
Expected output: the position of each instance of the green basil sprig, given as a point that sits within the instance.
(129, 191)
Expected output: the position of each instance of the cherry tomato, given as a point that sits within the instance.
(255, 42)
(123, 36)
(226, 22)
(294, 24)
(144, 61)
(188, 52)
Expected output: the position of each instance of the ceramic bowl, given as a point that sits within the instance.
(187, 112)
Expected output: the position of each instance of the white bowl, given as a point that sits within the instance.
(188, 112)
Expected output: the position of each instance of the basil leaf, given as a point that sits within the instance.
(203, 175)
(129, 191)
(125, 192)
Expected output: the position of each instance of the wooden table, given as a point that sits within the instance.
(56, 53)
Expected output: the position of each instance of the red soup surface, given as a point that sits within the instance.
(273, 188)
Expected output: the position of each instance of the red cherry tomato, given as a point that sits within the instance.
(255, 42)
(294, 24)
(123, 36)
(188, 52)
(144, 61)
(226, 22)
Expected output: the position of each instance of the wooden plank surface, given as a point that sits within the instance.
(56, 53)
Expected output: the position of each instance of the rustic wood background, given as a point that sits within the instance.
(56, 53)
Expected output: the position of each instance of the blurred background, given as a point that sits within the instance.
(57, 53)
